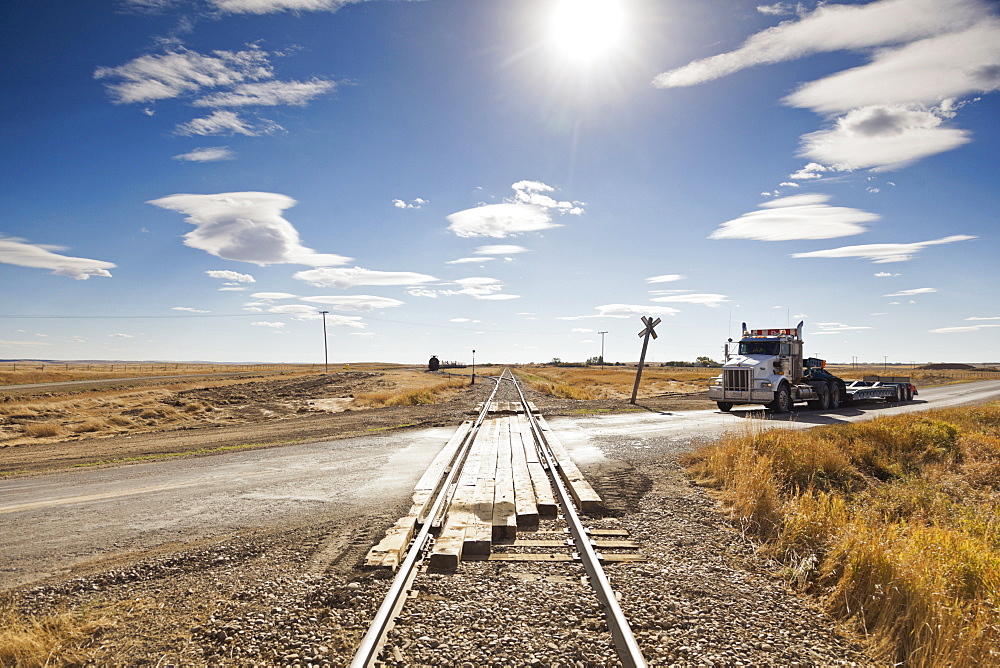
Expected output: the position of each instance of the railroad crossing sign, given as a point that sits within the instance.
(647, 332)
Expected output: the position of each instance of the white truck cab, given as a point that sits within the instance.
(768, 368)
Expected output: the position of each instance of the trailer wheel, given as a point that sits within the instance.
(909, 393)
(725, 406)
(834, 396)
(782, 400)
(822, 400)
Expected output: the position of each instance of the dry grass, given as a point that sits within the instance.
(892, 522)
(43, 429)
(57, 639)
(613, 382)
(408, 396)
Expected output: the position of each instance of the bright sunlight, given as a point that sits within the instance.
(587, 29)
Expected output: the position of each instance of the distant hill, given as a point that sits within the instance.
(956, 367)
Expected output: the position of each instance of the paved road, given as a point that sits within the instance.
(51, 522)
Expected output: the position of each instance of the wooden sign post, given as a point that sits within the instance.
(645, 334)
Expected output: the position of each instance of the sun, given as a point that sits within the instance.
(586, 29)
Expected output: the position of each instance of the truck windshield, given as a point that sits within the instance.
(759, 347)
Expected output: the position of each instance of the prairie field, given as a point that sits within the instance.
(614, 382)
(892, 523)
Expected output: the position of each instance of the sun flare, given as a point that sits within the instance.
(587, 29)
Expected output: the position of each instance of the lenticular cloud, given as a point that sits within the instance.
(245, 226)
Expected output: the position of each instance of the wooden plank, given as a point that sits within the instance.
(388, 552)
(545, 499)
(608, 532)
(481, 533)
(507, 556)
(524, 492)
(587, 500)
(504, 510)
(623, 558)
(478, 530)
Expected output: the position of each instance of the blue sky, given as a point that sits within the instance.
(198, 179)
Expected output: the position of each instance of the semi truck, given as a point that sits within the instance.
(768, 368)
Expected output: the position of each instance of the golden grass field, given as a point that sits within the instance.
(893, 523)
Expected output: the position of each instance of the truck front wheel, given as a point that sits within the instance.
(782, 400)
(725, 406)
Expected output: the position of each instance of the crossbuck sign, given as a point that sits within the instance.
(647, 332)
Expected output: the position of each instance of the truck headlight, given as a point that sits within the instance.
(766, 383)
(716, 381)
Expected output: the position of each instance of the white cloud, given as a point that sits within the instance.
(778, 9)
(264, 323)
(297, 311)
(623, 311)
(207, 154)
(227, 275)
(836, 328)
(500, 249)
(500, 220)
(883, 253)
(226, 123)
(805, 216)
(415, 204)
(462, 320)
(885, 274)
(41, 256)
(833, 27)
(529, 210)
(923, 55)
(328, 277)
(245, 226)
(882, 136)
(269, 94)
(271, 296)
(421, 292)
(23, 344)
(189, 309)
(989, 318)
(789, 184)
(908, 293)
(924, 72)
(685, 297)
(470, 260)
(953, 330)
(181, 72)
(665, 278)
(354, 302)
(271, 6)
(811, 171)
(121, 336)
(582, 330)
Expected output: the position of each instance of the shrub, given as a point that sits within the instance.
(91, 425)
(43, 429)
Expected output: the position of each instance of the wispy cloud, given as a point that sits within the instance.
(687, 297)
(500, 249)
(805, 216)
(665, 278)
(909, 293)
(883, 253)
(328, 277)
(226, 123)
(182, 72)
(471, 260)
(354, 302)
(272, 6)
(960, 329)
(271, 325)
(836, 328)
(189, 309)
(245, 226)
(227, 275)
(529, 210)
(121, 335)
(623, 311)
(43, 256)
(207, 154)
(269, 94)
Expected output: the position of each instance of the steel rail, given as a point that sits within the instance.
(628, 649)
(373, 640)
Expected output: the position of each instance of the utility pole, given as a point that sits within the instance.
(602, 348)
(473, 366)
(645, 333)
(326, 356)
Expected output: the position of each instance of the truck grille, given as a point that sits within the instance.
(736, 379)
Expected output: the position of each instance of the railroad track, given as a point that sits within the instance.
(503, 494)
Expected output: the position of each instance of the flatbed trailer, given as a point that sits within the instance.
(889, 388)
